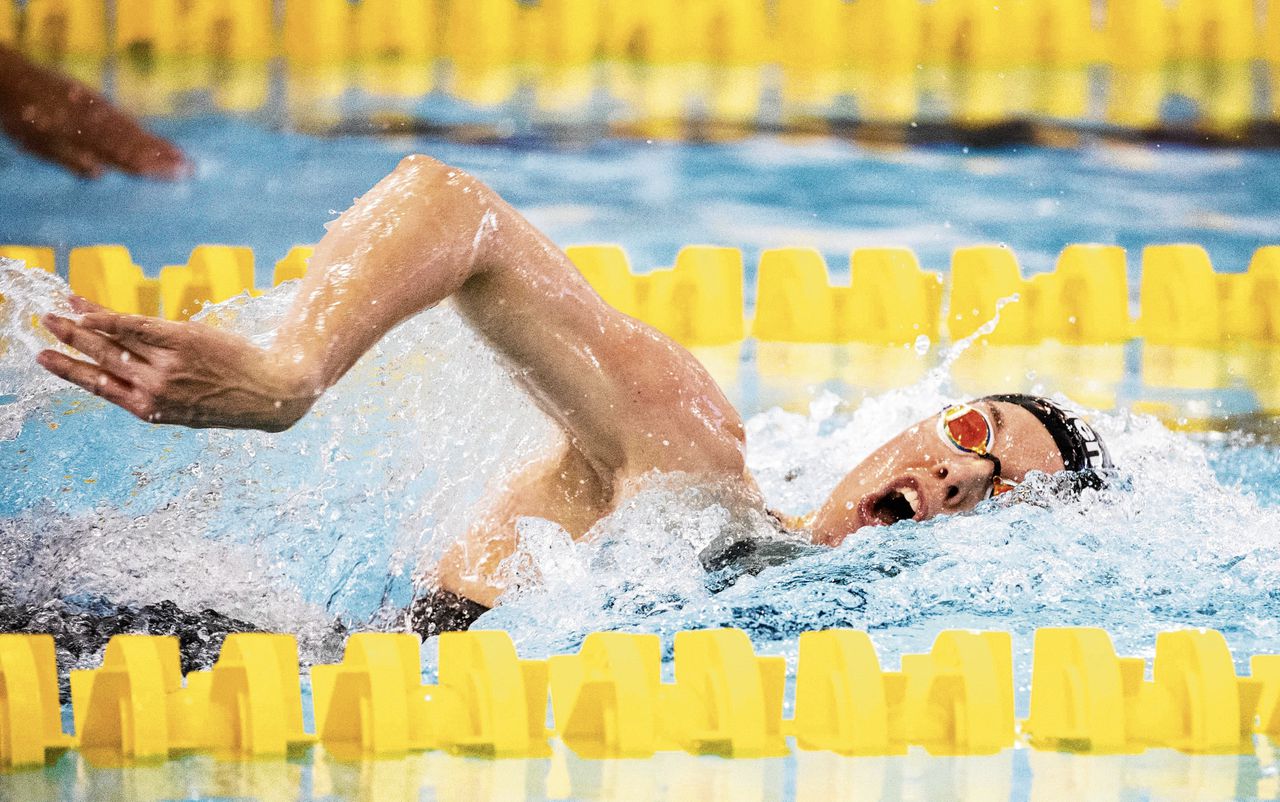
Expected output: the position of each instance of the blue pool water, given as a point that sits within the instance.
(271, 189)
(331, 521)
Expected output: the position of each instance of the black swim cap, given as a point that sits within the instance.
(1083, 451)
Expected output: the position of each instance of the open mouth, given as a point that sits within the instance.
(899, 502)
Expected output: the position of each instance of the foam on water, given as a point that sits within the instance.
(328, 521)
(1172, 547)
(333, 519)
(1180, 539)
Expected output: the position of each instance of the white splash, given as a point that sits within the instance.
(335, 517)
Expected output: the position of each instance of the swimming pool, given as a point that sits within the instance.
(327, 522)
(808, 777)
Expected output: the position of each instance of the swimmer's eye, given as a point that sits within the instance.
(968, 429)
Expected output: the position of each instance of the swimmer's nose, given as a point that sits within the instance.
(962, 482)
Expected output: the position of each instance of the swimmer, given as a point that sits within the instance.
(630, 400)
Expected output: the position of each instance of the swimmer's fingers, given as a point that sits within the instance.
(137, 328)
(94, 379)
(108, 353)
(84, 306)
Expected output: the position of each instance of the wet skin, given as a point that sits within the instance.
(921, 469)
(629, 400)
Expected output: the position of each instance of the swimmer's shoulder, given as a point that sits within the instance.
(671, 414)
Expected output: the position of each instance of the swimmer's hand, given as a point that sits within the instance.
(181, 373)
(64, 121)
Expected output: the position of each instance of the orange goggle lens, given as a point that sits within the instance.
(968, 429)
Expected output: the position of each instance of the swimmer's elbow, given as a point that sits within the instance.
(431, 177)
(420, 169)
(420, 163)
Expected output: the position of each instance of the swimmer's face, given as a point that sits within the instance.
(919, 475)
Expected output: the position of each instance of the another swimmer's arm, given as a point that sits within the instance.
(406, 245)
(62, 120)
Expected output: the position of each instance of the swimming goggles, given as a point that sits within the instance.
(969, 430)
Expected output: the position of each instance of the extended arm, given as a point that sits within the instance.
(408, 243)
(424, 233)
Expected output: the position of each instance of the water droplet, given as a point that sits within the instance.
(922, 345)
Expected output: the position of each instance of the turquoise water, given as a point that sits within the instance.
(271, 189)
(321, 529)
(330, 520)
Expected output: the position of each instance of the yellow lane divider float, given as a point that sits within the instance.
(609, 700)
(661, 101)
(1085, 699)
(135, 707)
(30, 722)
(831, 51)
(889, 300)
(8, 24)
(487, 701)
(39, 258)
(807, 33)
(659, 56)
